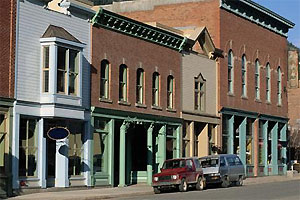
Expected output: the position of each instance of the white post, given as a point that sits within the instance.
(62, 163)
(15, 150)
(42, 154)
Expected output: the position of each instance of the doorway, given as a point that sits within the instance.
(50, 162)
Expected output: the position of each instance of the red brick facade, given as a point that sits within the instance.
(230, 31)
(134, 53)
(7, 47)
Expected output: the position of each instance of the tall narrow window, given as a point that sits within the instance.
(73, 71)
(279, 96)
(155, 89)
(75, 149)
(199, 91)
(244, 76)
(139, 86)
(28, 147)
(45, 69)
(104, 79)
(123, 83)
(170, 92)
(268, 83)
(230, 71)
(257, 79)
(61, 69)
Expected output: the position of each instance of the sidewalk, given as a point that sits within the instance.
(135, 190)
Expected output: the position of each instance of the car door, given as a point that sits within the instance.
(190, 171)
(223, 166)
(231, 168)
(240, 170)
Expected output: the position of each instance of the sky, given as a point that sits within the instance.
(289, 9)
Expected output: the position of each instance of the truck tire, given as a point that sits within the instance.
(240, 181)
(156, 190)
(225, 183)
(183, 187)
(200, 183)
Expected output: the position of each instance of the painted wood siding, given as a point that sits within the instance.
(193, 65)
(33, 21)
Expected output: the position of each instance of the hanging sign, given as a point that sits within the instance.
(58, 133)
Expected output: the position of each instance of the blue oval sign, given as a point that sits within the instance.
(58, 133)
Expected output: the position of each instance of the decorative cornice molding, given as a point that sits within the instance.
(258, 14)
(121, 24)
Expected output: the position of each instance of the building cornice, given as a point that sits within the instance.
(258, 14)
(115, 22)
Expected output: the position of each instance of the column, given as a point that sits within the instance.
(178, 140)
(111, 134)
(255, 147)
(122, 161)
(53, 49)
(283, 148)
(62, 163)
(42, 154)
(192, 138)
(230, 131)
(242, 141)
(203, 142)
(149, 153)
(274, 136)
(88, 152)
(15, 150)
(161, 153)
(265, 146)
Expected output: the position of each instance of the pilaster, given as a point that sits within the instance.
(274, 136)
(230, 135)
(149, 153)
(242, 140)
(42, 154)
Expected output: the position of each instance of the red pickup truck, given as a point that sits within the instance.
(179, 173)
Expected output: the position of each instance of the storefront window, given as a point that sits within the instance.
(28, 147)
(100, 145)
(75, 148)
(225, 134)
(171, 143)
(186, 140)
(249, 140)
(2, 142)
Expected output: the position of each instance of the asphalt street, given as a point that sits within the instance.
(289, 190)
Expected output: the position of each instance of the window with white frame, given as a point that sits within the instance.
(155, 89)
(279, 95)
(268, 83)
(46, 67)
(244, 76)
(230, 71)
(67, 70)
(123, 83)
(170, 91)
(140, 86)
(257, 79)
(104, 79)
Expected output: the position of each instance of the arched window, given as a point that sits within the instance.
(140, 86)
(155, 89)
(104, 79)
(257, 79)
(268, 83)
(230, 71)
(170, 91)
(244, 76)
(123, 83)
(279, 96)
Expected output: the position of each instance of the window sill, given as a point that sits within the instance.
(268, 102)
(140, 105)
(124, 103)
(76, 177)
(104, 100)
(244, 97)
(156, 107)
(279, 105)
(258, 100)
(171, 110)
(230, 94)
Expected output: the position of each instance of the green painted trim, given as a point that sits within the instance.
(265, 146)
(273, 118)
(253, 12)
(242, 113)
(115, 22)
(138, 117)
(242, 141)
(6, 102)
(274, 149)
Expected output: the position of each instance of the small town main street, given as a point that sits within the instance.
(287, 190)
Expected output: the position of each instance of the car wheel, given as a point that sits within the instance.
(200, 184)
(183, 187)
(225, 183)
(240, 181)
(156, 190)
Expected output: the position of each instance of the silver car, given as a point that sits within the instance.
(223, 169)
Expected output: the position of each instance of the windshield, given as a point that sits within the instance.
(174, 164)
(209, 162)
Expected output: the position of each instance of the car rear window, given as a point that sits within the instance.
(209, 162)
(171, 164)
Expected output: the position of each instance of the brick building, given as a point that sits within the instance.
(7, 83)
(252, 78)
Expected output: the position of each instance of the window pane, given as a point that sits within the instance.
(74, 61)
(75, 149)
(60, 81)
(72, 83)
(46, 81)
(46, 57)
(61, 58)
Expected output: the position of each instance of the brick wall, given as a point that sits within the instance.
(245, 36)
(7, 47)
(135, 53)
